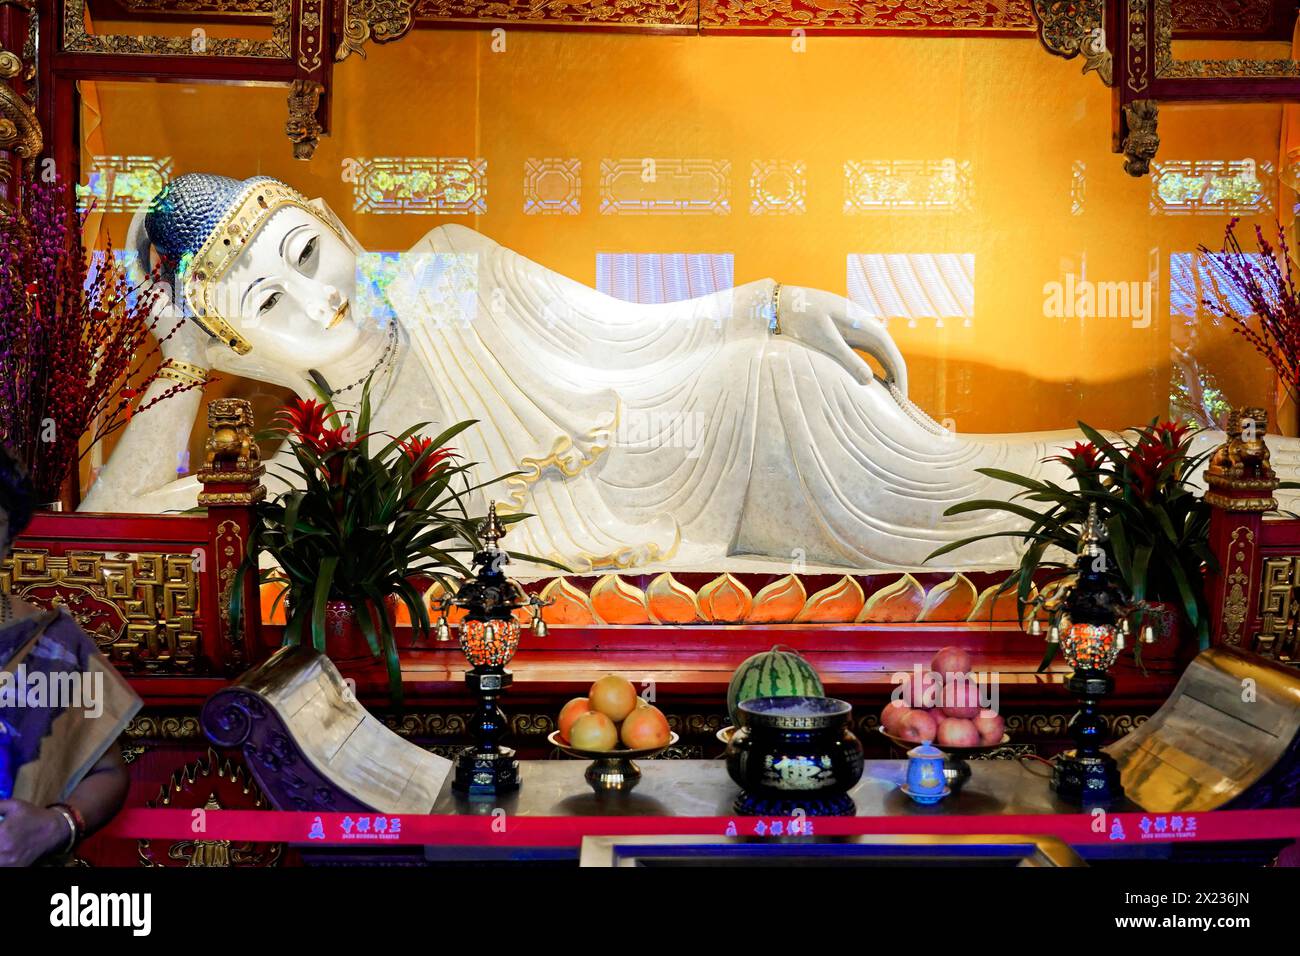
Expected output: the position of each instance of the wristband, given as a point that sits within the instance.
(76, 824)
(182, 372)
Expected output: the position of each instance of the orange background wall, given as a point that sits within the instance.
(1020, 116)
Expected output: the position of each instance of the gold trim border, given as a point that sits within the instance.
(77, 40)
(1169, 68)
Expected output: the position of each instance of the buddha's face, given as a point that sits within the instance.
(290, 293)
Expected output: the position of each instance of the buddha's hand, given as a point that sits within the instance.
(834, 325)
(29, 832)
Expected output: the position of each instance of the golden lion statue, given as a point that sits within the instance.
(230, 446)
(1244, 456)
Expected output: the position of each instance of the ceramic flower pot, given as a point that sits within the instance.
(345, 641)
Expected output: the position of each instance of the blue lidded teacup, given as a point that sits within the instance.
(925, 779)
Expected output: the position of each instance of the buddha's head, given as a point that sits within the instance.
(266, 274)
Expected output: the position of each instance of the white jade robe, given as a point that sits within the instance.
(688, 435)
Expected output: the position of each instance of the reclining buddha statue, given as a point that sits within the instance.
(744, 430)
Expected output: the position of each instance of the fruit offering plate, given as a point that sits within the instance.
(955, 768)
(556, 740)
(611, 771)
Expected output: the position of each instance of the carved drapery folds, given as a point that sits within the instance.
(1070, 28)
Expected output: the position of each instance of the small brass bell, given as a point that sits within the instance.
(539, 626)
(1035, 626)
(443, 632)
(1053, 635)
(1148, 634)
(1125, 627)
(1119, 640)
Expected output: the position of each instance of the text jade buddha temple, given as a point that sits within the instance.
(752, 434)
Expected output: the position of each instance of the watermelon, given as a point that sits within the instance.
(780, 672)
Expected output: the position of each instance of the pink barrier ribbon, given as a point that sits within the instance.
(504, 830)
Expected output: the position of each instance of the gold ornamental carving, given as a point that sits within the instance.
(569, 13)
(158, 727)
(382, 21)
(1142, 142)
(1240, 474)
(1138, 49)
(200, 8)
(1278, 610)
(1241, 554)
(911, 16)
(202, 785)
(1070, 28)
(76, 39)
(1168, 67)
(302, 127)
(230, 453)
(138, 606)
(20, 131)
(231, 456)
(311, 35)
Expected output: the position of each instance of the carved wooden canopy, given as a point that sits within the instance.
(1130, 44)
(294, 43)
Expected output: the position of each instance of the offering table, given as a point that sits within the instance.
(1003, 789)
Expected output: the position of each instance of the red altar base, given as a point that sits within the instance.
(151, 589)
(690, 668)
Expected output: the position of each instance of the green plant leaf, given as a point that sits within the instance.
(322, 591)
(1137, 577)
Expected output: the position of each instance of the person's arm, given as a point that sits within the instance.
(102, 792)
(29, 832)
(150, 451)
(149, 454)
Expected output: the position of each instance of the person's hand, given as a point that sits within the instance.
(29, 832)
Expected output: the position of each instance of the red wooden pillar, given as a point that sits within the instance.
(20, 140)
(232, 486)
(1241, 485)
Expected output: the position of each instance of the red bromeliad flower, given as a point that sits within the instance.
(1156, 448)
(329, 443)
(413, 448)
(1145, 461)
(1170, 434)
(306, 418)
(1082, 456)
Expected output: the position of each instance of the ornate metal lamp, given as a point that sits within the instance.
(1089, 620)
(489, 637)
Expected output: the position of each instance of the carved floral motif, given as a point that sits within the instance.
(980, 16)
(1069, 28)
